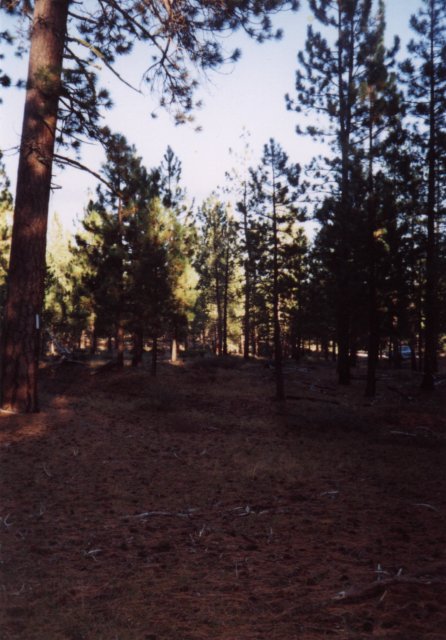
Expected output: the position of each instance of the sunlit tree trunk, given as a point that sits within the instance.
(21, 325)
(174, 352)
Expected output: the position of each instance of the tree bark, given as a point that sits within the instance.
(219, 323)
(93, 341)
(280, 392)
(174, 352)
(138, 346)
(344, 213)
(154, 355)
(373, 338)
(225, 302)
(174, 346)
(247, 289)
(120, 346)
(246, 317)
(120, 333)
(21, 325)
(430, 333)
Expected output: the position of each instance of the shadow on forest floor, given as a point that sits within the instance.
(194, 507)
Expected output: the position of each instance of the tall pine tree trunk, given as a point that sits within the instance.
(21, 325)
(93, 341)
(154, 365)
(219, 324)
(174, 350)
(120, 332)
(174, 346)
(120, 343)
(280, 393)
(246, 317)
(373, 341)
(344, 212)
(225, 302)
(430, 333)
(138, 346)
(247, 269)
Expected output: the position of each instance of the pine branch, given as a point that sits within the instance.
(78, 165)
(98, 53)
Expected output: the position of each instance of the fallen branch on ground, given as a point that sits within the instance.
(313, 399)
(426, 506)
(426, 436)
(357, 594)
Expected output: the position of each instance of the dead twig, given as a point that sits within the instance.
(426, 506)
(92, 553)
(309, 399)
(5, 521)
(404, 433)
(50, 475)
(179, 514)
(357, 594)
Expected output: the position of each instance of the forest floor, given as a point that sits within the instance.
(195, 507)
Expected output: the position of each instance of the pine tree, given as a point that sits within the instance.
(328, 84)
(293, 289)
(381, 111)
(58, 311)
(275, 182)
(240, 188)
(215, 264)
(319, 318)
(426, 77)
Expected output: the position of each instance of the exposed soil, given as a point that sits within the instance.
(194, 507)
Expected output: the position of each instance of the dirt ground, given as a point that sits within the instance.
(195, 507)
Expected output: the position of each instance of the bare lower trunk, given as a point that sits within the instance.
(278, 356)
(225, 304)
(430, 306)
(174, 350)
(372, 360)
(138, 347)
(120, 345)
(154, 355)
(21, 325)
(93, 342)
(373, 342)
(343, 347)
(246, 320)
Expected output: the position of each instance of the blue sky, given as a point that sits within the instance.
(249, 94)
